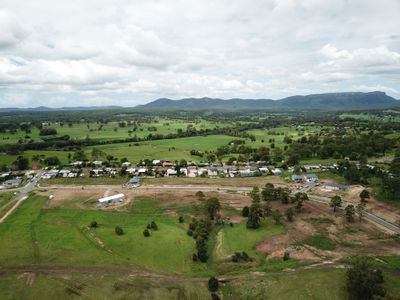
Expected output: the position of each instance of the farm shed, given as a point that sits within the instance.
(335, 187)
(112, 199)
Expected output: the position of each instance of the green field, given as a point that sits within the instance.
(248, 238)
(6, 201)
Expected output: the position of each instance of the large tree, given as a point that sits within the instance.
(212, 207)
(364, 282)
(336, 201)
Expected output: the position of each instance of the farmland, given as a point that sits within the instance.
(53, 237)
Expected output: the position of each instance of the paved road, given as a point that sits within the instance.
(31, 186)
(23, 194)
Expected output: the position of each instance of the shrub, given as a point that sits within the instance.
(146, 233)
(119, 230)
(153, 226)
(181, 219)
(286, 255)
(213, 284)
(93, 224)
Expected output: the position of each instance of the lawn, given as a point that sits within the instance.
(239, 238)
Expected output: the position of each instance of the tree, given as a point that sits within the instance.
(200, 195)
(277, 215)
(268, 192)
(350, 210)
(52, 161)
(153, 225)
(255, 214)
(22, 163)
(119, 230)
(364, 195)
(215, 296)
(245, 211)
(360, 208)
(146, 233)
(212, 207)
(93, 224)
(286, 255)
(336, 201)
(213, 284)
(255, 194)
(298, 199)
(181, 219)
(289, 214)
(364, 282)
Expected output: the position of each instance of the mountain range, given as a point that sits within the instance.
(329, 101)
(319, 102)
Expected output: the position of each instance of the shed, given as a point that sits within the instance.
(112, 199)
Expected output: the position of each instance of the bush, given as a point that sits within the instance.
(245, 211)
(215, 296)
(93, 224)
(119, 230)
(181, 220)
(364, 282)
(238, 257)
(213, 284)
(146, 233)
(286, 255)
(153, 226)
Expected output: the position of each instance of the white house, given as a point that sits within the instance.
(118, 198)
(276, 171)
(171, 173)
(98, 163)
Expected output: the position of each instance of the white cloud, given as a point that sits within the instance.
(133, 51)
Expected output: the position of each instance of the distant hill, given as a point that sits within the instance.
(329, 101)
(321, 102)
(49, 109)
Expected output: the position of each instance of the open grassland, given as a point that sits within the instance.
(248, 238)
(112, 130)
(6, 201)
(169, 149)
(300, 285)
(34, 235)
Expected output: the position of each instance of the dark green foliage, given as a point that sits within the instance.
(153, 226)
(146, 233)
(215, 296)
(277, 215)
(241, 257)
(200, 231)
(289, 214)
(47, 131)
(336, 201)
(119, 230)
(181, 219)
(93, 224)
(212, 207)
(286, 255)
(245, 211)
(364, 282)
(22, 163)
(350, 210)
(213, 284)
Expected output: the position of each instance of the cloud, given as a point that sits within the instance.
(132, 51)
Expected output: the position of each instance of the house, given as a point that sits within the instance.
(168, 164)
(311, 177)
(276, 171)
(118, 198)
(202, 171)
(64, 173)
(335, 187)
(171, 173)
(98, 163)
(131, 170)
(297, 178)
(77, 163)
(247, 173)
(156, 162)
(134, 182)
(142, 171)
(212, 172)
(264, 169)
(192, 173)
(183, 171)
(13, 182)
(126, 164)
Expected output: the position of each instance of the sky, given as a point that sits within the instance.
(127, 52)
